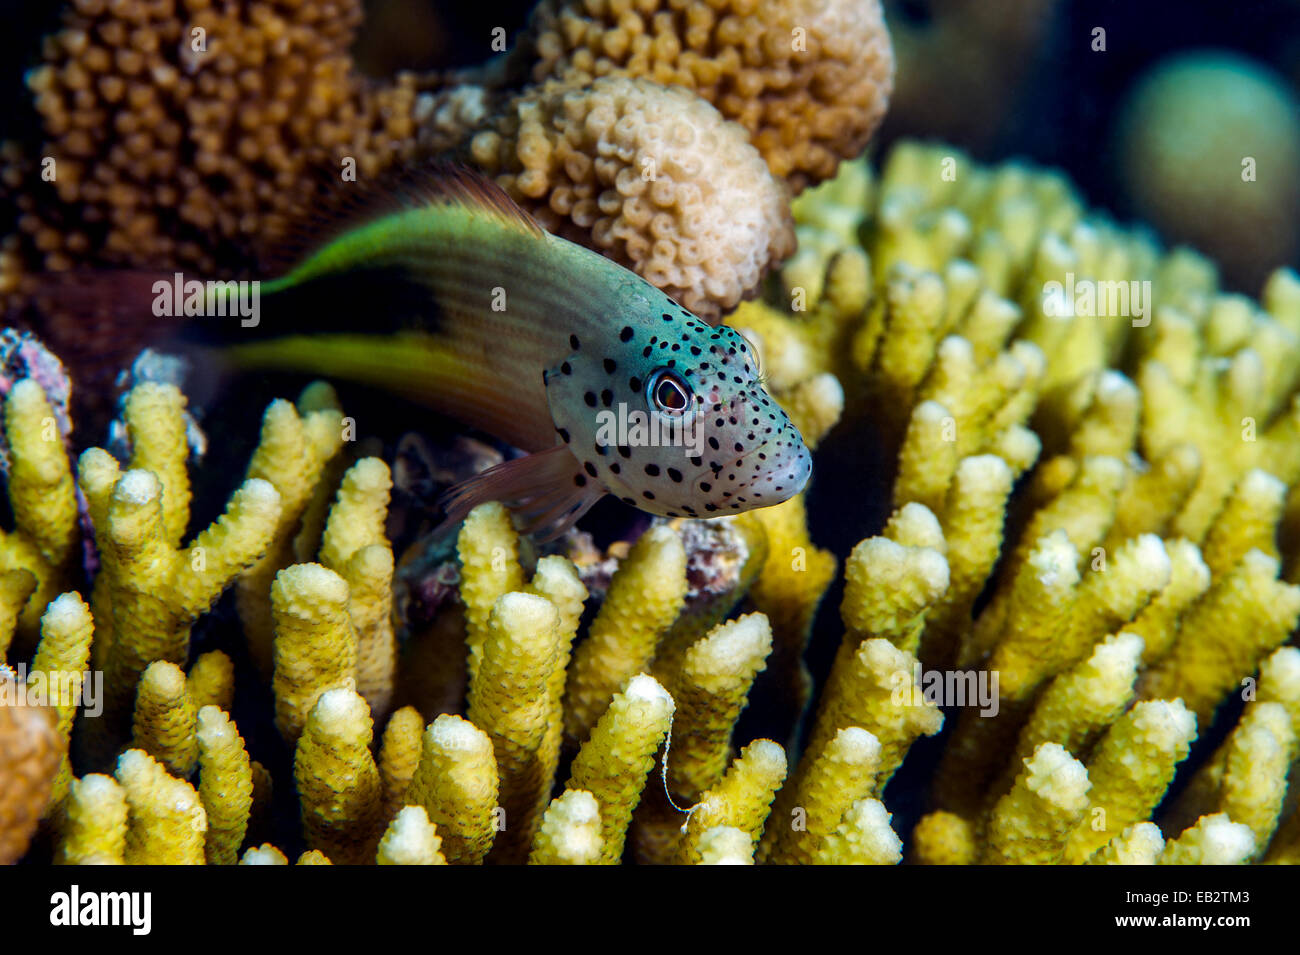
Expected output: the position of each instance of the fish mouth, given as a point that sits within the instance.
(790, 477)
(783, 479)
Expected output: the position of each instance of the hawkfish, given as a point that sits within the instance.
(464, 304)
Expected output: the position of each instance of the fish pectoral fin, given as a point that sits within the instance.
(547, 491)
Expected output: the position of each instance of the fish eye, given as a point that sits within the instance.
(668, 392)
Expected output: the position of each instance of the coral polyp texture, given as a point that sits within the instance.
(808, 79)
(206, 137)
(650, 175)
(183, 133)
(1087, 570)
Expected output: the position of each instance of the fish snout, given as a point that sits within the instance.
(791, 476)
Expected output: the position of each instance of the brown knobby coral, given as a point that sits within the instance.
(187, 137)
(808, 79)
(31, 749)
(651, 176)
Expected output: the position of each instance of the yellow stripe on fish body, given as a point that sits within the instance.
(546, 345)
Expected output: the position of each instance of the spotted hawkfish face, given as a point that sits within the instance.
(669, 414)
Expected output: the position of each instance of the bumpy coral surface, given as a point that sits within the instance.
(808, 79)
(651, 176)
(186, 138)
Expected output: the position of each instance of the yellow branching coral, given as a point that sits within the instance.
(1279, 682)
(315, 646)
(1139, 844)
(1214, 840)
(399, 755)
(645, 597)
(1247, 521)
(1255, 769)
(709, 689)
(740, 800)
(830, 780)
(337, 778)
(166, 823)
(1151, 553)
(355, 547)
(1030, 824)
(557, 580)
(42, 497)
(944, 838)
(152, 590)
(1246, 778)
(972, 510)
(1244, 616)
(876, 690)
(456, 783)
(16, 586)
(710, 692)
(489, 568)
(726, 845)
(888, 588)
(154, 416)
(510, 700)
(570, 831)
(411, 839)
(788, 591)
(1158, 622)
(1035, 607)
(723, 559)
(165, 718)
(211, 680)
(292, 455)
(1030, 631)
(1076, 707)
(225, 785)
(612, 764)
(95, 821)
(1130, 769)
(803, 355)
(265, 854)
(58, 670)
(862, 838)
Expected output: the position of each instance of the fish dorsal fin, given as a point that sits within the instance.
(342, 206)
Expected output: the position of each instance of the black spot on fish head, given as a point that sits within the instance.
(749, 453)
(670, 404)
